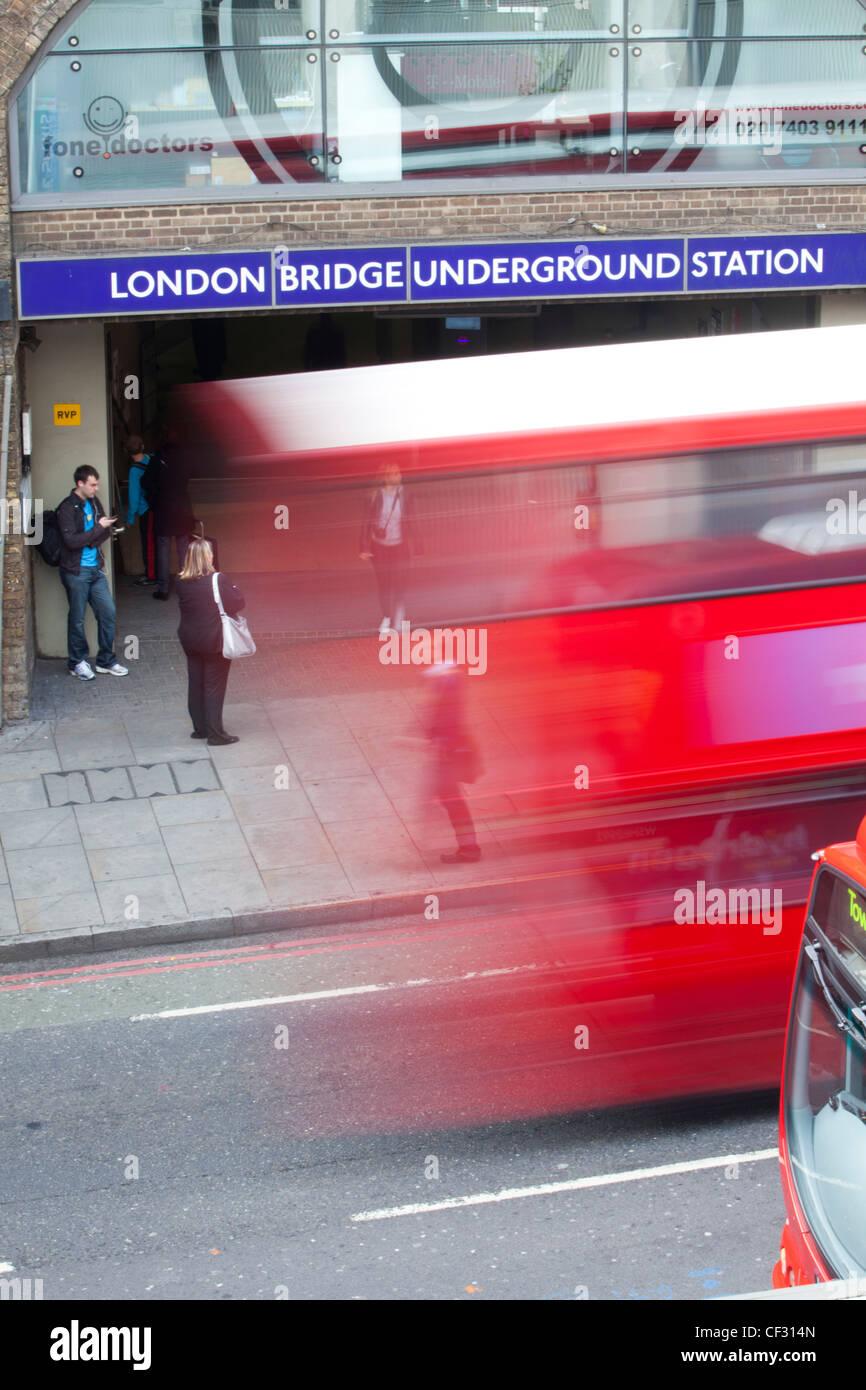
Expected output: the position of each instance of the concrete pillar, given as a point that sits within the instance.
(67, 369)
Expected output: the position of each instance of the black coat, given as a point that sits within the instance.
(200, 628)
(408, 523)
(73, 536)
(165, 484)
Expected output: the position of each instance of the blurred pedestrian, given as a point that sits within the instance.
(385, 539)
(455, 758)
(138, 506)
(166, 485)
(201, 636)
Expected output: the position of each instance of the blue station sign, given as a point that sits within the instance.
(284, 277)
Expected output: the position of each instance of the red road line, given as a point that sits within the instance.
(35, 980)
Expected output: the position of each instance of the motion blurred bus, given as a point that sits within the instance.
(665, 545)
(822, 1125)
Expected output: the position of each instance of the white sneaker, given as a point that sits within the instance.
(384, 626)
(115, 670)
(83, 671)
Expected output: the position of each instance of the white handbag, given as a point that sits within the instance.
(237, 638)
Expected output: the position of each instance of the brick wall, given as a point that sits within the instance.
(24, 24)
(497, 216)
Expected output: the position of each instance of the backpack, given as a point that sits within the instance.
(153, 477)
(49, 546)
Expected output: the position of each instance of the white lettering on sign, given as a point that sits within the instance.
(761, 261)
(546, 270)
(181, 283)
(372, 275)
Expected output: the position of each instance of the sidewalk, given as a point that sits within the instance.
(117, 829)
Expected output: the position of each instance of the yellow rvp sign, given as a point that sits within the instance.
(67, 414)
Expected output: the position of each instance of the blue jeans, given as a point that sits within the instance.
(89, 585)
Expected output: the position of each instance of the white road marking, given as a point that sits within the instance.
(512, 1194)
(5, 1268)
(329, 994)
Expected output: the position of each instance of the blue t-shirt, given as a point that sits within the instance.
(89, 555)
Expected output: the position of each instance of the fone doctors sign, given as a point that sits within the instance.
(288, 278)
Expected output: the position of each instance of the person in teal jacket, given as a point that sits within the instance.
(138, 506)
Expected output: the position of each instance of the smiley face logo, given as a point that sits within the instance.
(104, 116)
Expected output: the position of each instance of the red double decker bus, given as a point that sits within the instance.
(662, 544)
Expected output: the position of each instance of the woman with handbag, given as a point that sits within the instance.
(208, 601)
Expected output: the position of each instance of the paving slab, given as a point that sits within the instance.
(28, 764)
(152, 780)
(310, 883)
(255, 796)
(39, 829)
(25, 796)
(8, 915)
(109, 784)
(55, 913)
(236, 887)
(154, 899)
(348, 798)
(128, 861)
(205, 843)
(118, 824)
(195, 775)
(378, 856)
(192, 807)
(87, 743)
(35, 874)
(325, 756)
(289, 844)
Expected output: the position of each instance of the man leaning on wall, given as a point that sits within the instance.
(83, 528)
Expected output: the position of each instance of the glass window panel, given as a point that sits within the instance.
(170, 121)
(136, 24)
(357, 19)
(745, 18)
(459, 110)
(729, 107)
(824, 1090)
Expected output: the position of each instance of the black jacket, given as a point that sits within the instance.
(200, 628)
(73, 537)
(165, 484)
(372, 509)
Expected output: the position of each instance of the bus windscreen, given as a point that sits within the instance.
(840, 912)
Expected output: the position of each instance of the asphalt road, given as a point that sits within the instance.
(304, 1119)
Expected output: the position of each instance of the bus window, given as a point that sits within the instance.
(825, 1082)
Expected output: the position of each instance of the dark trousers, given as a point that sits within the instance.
(148, 544)
(208, 677)
(89, 585)
(391, 563)
(163, 559)
(450, 794)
